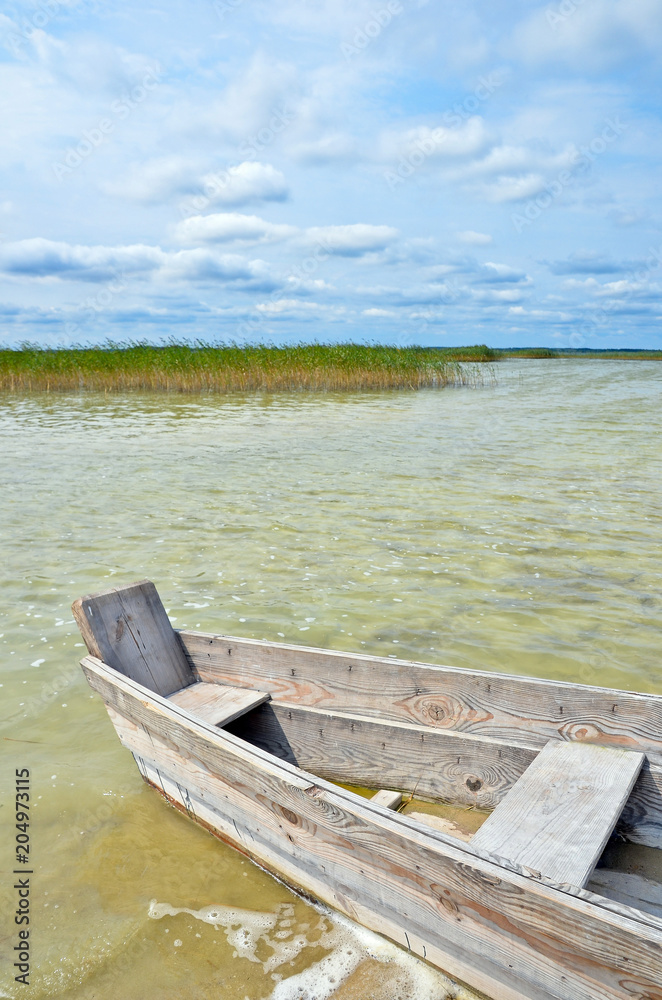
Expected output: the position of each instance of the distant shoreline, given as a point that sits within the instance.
(303, 367)
(607, 354)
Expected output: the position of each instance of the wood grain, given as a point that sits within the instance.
(559, 815)
(534, 940)
(386, 798)
(507, 707)
(443, 764)
(631, 889)
(216, 703)
(436, 763)
(128, 628)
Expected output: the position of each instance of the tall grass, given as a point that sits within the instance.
(201, 368)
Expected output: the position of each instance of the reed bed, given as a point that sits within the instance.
(201, 368)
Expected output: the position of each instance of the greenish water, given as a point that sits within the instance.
(513, 528)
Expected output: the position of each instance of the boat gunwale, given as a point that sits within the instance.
(368, 659)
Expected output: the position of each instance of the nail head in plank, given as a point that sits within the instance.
(507, 707)
(217, 703)
(558, 816)
(128, 628)
(386, 798)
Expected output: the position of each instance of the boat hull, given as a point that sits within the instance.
(504, 931)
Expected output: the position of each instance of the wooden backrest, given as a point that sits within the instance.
(128, 628)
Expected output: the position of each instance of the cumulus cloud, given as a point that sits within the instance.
(353, 240)
(244, 183)
(514, 173)
(164, 178)
(41, 258)
(155, 180)
(226, 227)
(496, 274)
(47, 259)
(426, 143)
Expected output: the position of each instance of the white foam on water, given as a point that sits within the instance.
(348, 946)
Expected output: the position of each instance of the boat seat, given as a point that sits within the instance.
(217, 704)
(558, 816)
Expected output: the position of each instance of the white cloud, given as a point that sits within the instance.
(155, 180)
(514, 188)
(352, 240)
(385, 313)
(226, 227)
(167, 177)
(473, 238)
(40, 258)
(246, 182)
(47, 259)
(492, 274)
(423, 142)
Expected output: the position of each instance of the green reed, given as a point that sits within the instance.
(200, 367)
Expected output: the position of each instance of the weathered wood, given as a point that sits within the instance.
(229, 824)
(507, 707)
(526, 938)
(215, 703)
(386, 798)
(630, 889)
(437, 763)
(128, 629)
(559, 815)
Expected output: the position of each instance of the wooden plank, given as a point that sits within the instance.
(435, 763)
(386, 798)
(217, 704)
(627, 888)
(128, 628)
(511, 708)
(528, 938)
(560, 814)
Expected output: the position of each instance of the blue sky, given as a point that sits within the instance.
(400, 171)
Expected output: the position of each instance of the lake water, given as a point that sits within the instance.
(513, 527)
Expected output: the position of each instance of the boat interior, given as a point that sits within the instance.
(561, 779)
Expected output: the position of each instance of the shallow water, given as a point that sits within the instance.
(513, 528)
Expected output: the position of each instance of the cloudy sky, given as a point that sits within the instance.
(404, 171)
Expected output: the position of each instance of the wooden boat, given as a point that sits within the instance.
(247, 738)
